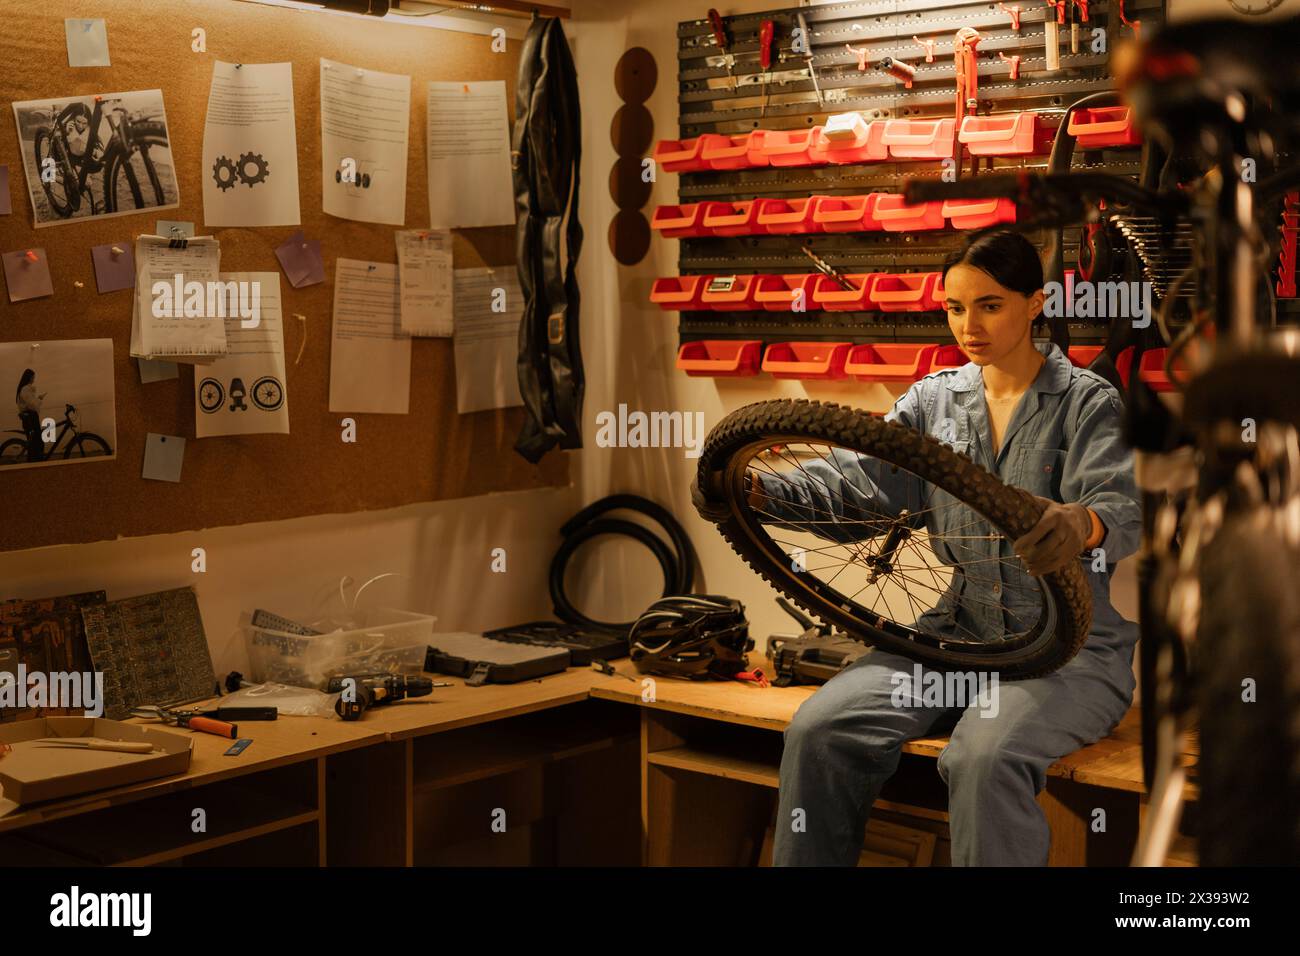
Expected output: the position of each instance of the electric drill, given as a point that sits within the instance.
(360, 691)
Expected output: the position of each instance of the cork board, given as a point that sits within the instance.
(431, 453)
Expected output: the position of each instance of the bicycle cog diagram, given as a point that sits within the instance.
(224, 165)
(227, 173)
(256, 160)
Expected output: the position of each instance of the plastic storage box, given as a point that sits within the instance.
(386, 640)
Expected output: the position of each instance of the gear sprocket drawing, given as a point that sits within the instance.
(252, 159)
(232, 173)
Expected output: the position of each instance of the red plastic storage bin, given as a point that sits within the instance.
(889, 361)
(675, 222)
(725, 358)
(895, 215)
(730, 293)
(947, 356)
(733, 218)
(1098, 127)
(807, 360)
(978, 213)
(847, 213)
(904, 292)
(868, 148)
(920, 138)
(777, 293)
(685, 155)
(1151, 370)
(828, 295)
(1082, 355)
(1003, 134)
(679, 292)
(735, 152)
(787, 216)
(793, 147)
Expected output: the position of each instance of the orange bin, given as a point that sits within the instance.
(779, 293)
(730, 293)
(793, 147)
(889, 361)
(787, 216)
(977, 213)
(733, 218)
(686, 155)
(724, 358)
(895, 215)
(920, 138)
(847, 213)
(828, 295)
(905, 292)
(806, 360)
(868, 148)
(1098, 127)
(735, 152)
(1003, 134)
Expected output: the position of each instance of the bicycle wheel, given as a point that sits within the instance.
(62, 199)
(87, 445)
(916, 559)
(131, 180)
(13, 452)
(1249, 630)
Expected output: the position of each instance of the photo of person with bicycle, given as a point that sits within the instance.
(73, 376)
(106, 155)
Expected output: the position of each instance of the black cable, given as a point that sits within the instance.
(677, 564)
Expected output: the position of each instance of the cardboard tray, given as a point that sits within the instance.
(30, 774)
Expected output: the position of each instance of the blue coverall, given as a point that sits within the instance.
(1063, 442)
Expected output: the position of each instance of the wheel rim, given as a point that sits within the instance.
(890, 582)
(13, 452)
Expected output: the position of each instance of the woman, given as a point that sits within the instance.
(1026, 413)
(29, 414)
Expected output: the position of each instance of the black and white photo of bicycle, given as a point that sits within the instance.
(99, 155)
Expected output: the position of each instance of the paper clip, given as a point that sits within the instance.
(31, 256)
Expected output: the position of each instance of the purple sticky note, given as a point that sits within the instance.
(114, 270)
(301, 260)
(27, 274)
(6, 207)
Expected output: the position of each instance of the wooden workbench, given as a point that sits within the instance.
(544, 772)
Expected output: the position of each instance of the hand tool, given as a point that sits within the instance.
(1053, 29)
(898, 70)
(357, 692)
(967, 71)
(1082, 6)
(605, 667)
(98, 743)
(828, 270)
(808, 55)
(720, 38)
(214, 722)
(766, 31)
(1072, 14)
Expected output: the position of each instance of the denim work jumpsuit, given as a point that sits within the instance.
(1063, 442)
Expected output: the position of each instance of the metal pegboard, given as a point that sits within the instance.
(710, 101)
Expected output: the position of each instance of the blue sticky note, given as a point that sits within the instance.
(114, 270)
(87, 42)
(163, 457)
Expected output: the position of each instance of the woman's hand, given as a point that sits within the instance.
(1056, 540)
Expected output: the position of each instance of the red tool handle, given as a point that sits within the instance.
(719, 31)
(765, 33)
(1083, 9)
(210, 726)
(1060, 9)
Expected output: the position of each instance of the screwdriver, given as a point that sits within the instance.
(720, 38)
(808, 55)
(765, 33)
(1053, 30)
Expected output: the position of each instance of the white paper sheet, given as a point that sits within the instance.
(470, 180)
(370, 357)
(187, 339)
(365, 120)
(486, 343)
(424, 267)
(250, 147)
(245, 391)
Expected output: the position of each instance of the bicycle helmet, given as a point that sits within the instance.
(695, 636)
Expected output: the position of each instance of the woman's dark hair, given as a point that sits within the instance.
(27, 377)
(1008, 257)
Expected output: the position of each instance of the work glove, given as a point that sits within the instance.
(1057, 538)
(714, 511)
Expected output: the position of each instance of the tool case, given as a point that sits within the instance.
(486, 660)
(812, 659)
(584, 644)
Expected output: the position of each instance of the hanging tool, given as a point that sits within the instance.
(1014, 60)
(720, 38)
(1082, 6)
(1072, 17)
(967, 71)
(1134, 25)
(860, 53)
(828, 270)
(1053, 29)
(928, 44)
(1013, 13)
(808, 55)
(765, 33)
(898, 70)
